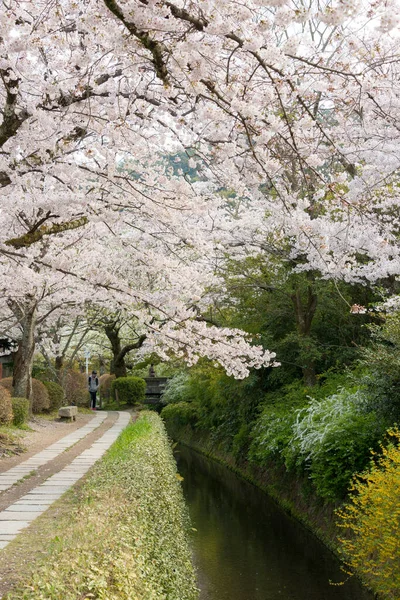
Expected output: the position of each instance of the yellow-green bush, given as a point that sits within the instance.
(181, 413)
(6, 413)
(20, 407)
(128, 390)
(371, 522)
(56, 394)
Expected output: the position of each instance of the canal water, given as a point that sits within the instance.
(246, 548)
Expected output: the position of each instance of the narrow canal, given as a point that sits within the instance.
(247, 548)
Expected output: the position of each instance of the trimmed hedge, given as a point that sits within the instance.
(20, 407)
(128, 390)
(40, 395)
(139, 547)
(56, 394)
(6, 412)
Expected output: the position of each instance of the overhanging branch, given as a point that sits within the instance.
(35, 235)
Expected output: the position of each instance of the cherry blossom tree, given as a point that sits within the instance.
(292, 106)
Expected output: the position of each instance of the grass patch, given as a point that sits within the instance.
(48, 416)
(85, 411)
(125, 535)
(25, 477)
(11, 441)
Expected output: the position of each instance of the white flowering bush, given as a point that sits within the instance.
(127, 538)
(177, 389)
(332, 438)
(271, 433)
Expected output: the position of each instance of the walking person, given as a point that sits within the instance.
(93, 387)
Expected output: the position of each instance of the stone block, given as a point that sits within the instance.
(69, 412)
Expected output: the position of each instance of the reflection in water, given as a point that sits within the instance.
(247, 548)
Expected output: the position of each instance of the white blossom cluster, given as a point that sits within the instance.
(141, 143)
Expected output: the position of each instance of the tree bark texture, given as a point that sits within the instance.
(305, 311)
(26, 312)
(117, 367)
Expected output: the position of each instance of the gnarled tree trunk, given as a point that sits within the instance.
(118, 366)
(26, 313)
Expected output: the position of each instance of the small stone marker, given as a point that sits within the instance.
(69, 412)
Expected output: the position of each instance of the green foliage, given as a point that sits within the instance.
(180, 414)
(332, 439)
(371, 522)
(381, 365)
(178, 389)
(127, 537)
(56, 394)
(128, 390)
(273, 430)
(6, 412)
(225, 405)
(20, 407)
(240, 442)
(261, 300)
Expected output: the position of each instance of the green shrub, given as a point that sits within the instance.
(6, 411)
(20, 407)
(40, 395)
(128, 390)
(178, 389)
(56, 394)
(180, 414)
(272, 431)
(332, 439)
(241, 442)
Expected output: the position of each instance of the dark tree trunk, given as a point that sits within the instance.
(59, 365)
(305, 311)
(118, 367)
(23, 361)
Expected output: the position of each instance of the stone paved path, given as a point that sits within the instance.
(19, 515)
(15, 474)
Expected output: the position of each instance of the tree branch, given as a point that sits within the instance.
(156, 48)
(129, 347)
(35, 235)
